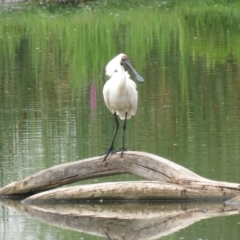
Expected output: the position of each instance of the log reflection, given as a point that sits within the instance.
(123, 220)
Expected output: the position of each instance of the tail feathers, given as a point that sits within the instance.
(122, 115)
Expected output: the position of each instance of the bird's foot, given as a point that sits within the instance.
(110, 150)
(121, 150)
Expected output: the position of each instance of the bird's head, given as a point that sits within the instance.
(121, 60)
(114, 64)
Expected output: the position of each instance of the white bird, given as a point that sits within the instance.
(120, 94)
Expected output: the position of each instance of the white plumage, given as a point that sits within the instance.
(119, 92)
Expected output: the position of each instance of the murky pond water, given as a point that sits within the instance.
(52, 61)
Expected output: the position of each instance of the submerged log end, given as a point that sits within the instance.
(234, 201)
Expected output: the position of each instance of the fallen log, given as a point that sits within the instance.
(173, 180)
(145, 165)
(133, 191)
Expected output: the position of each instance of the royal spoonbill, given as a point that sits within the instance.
(120, 95)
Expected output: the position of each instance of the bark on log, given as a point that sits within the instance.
(148, 166)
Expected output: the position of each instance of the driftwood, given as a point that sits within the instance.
(134, 191)
(122, 221)
(167, 180)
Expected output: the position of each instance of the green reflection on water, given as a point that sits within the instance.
(52, 63)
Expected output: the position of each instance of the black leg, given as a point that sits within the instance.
(111, 149)
(124, 129)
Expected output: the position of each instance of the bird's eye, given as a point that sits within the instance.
(124, 58)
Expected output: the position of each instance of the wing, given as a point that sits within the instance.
(106, 94)
(132, 95)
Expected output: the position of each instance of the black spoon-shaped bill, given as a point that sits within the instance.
(138, 77)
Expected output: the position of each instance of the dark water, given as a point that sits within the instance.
(52, 62)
